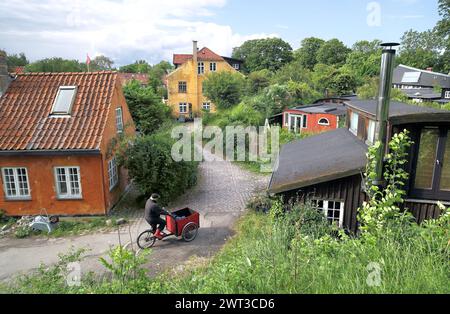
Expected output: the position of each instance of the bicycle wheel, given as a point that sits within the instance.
(189, 232)
(146, 240)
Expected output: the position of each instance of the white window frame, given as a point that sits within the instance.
(206, 106)
(183, 105)
(69, 195)
(354, 130)
(182, 83)
(236, 66)
(371, 132)
(69, 109)
(326, 123)
(325, 210)
(113, 173)
(447, 94)
(201, 68)
(19, 192)
(119, 120)
(213, 67)
(304, 121)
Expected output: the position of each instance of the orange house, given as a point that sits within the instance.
(58, 133)
(315, 118)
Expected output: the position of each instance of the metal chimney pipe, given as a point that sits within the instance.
(384, 98)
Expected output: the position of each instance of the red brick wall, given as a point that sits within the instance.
(312, 124)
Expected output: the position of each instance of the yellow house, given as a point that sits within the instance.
(185, 95)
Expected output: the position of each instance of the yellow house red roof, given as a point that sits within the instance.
(204, 54)
(25, 112)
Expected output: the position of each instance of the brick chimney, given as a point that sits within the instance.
(194, 50)
(5, 79)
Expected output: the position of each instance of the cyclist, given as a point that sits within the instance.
(153, 214)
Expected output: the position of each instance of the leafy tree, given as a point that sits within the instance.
(156, 75)
(225, 89)
(151, 166)
(293, 71)
(307, 53)
(302, 93)
(443, 30)
(273, 100)
(146, 107)
(370, 91)
(259, 54)
(101, 63)
(343, 83)
(333, 52)
(140, 66)
(420, 49)
(364, 60)
(56, 65)
(16, 60)
(257, 81)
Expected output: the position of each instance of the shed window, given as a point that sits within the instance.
(333, 211)
(119, 120)
(113, 173)
(64, 100)
(354, 123)
(431, 173)
(15, 183)
(324, 121)
(201, 68)
(371, 132)
(213, 67)
(236, 66)
(305, 122)
(68, 183)
(447, 94)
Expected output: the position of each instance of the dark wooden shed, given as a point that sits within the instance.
(327, 169)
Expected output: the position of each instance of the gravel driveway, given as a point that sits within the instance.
(220, 196)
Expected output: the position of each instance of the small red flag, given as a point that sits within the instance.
(88, 60)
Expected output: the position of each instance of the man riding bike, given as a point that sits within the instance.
(153, 214)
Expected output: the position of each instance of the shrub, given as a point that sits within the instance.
(150, 164)
(225, 89)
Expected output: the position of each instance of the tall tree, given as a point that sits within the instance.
(16, 60)
(364, 60)
(146, 107)
(101, 63)
(443, 30)
(259, 54)
(225, 89)
(140, 66)
(56, 65)
(307, 53)
(333, 52)
(421, 49)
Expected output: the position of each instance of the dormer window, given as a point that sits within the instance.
(64, 100)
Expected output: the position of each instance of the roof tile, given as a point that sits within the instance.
(25, 122)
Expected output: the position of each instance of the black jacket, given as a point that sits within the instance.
(153, 210)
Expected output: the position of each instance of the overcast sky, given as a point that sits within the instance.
(126, 30)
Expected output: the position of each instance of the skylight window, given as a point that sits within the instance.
(411, 77)
(64, 100)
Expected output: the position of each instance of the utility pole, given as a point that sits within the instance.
(384, 98)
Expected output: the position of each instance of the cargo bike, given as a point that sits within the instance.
(182, 223)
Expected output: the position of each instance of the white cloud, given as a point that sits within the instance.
(122, 29)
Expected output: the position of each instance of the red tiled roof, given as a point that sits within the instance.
(126, 77)
(25, 122)
(204, 54)
(181, 58)
(18, 70)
